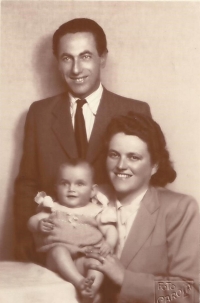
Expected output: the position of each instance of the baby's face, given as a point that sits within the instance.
(75, 186)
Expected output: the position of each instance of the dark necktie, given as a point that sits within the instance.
(80, 130)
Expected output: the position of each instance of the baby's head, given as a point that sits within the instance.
(74, 183)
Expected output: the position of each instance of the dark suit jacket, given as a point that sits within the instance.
(49, 141)
(163, 245)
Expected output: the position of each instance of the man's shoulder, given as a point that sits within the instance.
(121, 103)
(49, 102)
(116, 97)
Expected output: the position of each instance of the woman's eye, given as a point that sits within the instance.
(134, 158)
(113, 155)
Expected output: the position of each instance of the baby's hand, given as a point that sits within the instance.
(105, 249)
(45, 226)
(89, 249)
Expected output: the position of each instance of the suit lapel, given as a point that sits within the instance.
(102, 119)
(62, 126)
(142, 227)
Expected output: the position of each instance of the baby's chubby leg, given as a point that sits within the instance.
(93, 281)
(59, 260)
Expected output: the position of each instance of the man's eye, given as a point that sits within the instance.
(86, 57)
(66, 59)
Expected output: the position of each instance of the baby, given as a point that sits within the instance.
(81, 224)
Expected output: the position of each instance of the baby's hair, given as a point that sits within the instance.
(75, 162)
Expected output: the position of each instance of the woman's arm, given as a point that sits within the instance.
(33, 222)
(182, 232)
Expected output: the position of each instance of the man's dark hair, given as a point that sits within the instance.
(150, 132)
(81, 25)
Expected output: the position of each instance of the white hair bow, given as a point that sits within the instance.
(44, 200)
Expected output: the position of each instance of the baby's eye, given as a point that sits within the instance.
(64, 183)
(80, 184)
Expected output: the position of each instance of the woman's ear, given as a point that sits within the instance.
(154, 169)
(94, 190)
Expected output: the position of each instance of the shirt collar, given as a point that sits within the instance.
(134, 204)
(92, 100)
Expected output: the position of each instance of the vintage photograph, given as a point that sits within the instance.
(100, 123)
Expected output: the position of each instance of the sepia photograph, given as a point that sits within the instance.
(100, 174)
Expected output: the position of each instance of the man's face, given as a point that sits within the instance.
(80, 63)
(75, 186)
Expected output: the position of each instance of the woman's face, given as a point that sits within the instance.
(129, 165)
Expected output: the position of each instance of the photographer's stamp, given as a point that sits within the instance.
(174, 292)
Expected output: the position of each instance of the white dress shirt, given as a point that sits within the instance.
(89, 109)
(126, 215)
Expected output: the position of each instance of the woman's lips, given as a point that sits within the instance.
(123, 176)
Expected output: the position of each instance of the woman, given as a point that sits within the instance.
(158, 229)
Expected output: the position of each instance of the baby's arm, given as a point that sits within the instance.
(38, 223)
(110, 234)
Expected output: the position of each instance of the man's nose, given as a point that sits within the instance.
(122, 163)
(77, 67)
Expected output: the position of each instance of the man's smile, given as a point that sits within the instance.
(79, 79)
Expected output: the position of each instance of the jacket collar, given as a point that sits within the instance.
(103, 116)
(63, 129)
(142, 227)
(62, 125)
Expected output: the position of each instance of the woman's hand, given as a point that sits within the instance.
(110, 266)
(45, 226)
(105, 249)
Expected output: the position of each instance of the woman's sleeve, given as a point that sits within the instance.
(182, 229)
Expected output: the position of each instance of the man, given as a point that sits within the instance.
(68, 125)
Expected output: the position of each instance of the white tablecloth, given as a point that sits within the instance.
(31, 283)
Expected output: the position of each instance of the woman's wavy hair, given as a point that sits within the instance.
(150, 132)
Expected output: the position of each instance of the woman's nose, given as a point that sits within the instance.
(76, 68)
(122, 163)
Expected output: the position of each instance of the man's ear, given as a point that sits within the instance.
(94, 190)
(103, 58)
(154, 169)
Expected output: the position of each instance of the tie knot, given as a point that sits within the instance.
(81, 102)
